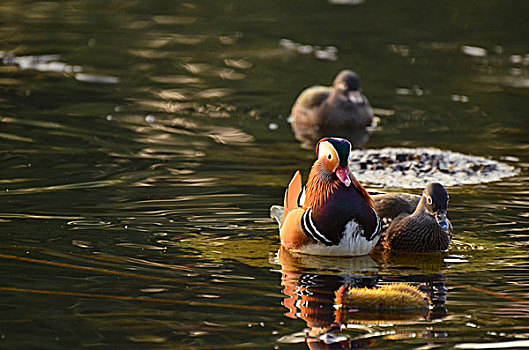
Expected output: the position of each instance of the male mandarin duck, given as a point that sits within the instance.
(341, 106)
(415, 223)
(334, 214)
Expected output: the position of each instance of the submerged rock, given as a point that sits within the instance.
(415, 167)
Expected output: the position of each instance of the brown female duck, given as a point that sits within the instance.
(340, 106)
(415, 223)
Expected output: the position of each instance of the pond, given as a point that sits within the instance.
(143, 142)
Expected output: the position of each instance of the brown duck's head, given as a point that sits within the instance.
(348, 83)
(435, 199)
(348, 80)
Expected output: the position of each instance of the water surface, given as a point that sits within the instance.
(140, 159)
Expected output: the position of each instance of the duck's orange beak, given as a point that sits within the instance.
(343, 176)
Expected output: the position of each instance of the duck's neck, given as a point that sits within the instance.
(322, 184)
(421, 207)
(337, 95)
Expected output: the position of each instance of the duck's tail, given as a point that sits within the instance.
(276, 213)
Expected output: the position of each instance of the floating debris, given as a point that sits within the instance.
(347, 2)
(474, 51)
(305, 49)
(403, 91)
(273, 126)
(415, 167)
(288, 44)
(502, 70)
(325, 55)
(96, 79)
(42, 63)
(415, 90)
(516, 59)
(459, 98)
(51, 63)
(328, 53)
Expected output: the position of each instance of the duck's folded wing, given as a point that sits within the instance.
(313, 97)
(292, 234)
(392, 205)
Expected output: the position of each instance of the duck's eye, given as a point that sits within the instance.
(429, 200)
(329, 156)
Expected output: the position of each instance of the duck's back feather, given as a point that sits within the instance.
(392, 205)
(313, 96)
(306, 108)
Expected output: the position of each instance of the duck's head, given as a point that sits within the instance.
(349, 84)
(435, 199)
(333, 155)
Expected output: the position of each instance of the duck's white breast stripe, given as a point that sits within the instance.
(378, 223)
(310, 229)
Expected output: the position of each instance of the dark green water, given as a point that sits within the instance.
(134, 198)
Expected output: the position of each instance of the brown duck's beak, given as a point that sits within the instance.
(356, 97)
(442, 220)
(343, 176)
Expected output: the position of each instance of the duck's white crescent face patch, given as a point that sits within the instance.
(326, 149)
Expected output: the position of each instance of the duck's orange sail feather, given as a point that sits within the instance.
(292, 195)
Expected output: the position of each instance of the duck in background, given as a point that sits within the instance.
(334, 214)
(415, 223)
(340, 109)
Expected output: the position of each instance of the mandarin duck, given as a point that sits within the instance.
(415, 223)
(334, 214)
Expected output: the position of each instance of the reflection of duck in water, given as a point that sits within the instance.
(434, 285)
(340, 110)
(415, 223)
(334, 215)
(312, 293)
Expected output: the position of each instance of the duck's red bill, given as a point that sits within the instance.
(343, 176)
